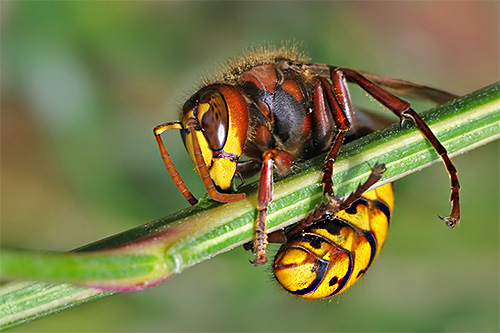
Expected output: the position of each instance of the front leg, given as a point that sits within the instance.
(283, 161)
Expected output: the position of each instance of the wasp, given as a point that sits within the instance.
(272, 109)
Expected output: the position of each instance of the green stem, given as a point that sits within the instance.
(146, 255)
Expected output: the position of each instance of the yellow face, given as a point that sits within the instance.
(222, 118)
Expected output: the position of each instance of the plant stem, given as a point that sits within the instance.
(147, 255)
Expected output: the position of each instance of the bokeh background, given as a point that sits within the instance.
(83, 84)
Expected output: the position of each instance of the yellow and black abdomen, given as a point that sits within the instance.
(333, 253)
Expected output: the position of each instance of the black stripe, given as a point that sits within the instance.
(314, 240)
(353, 209)
(346, 278)
(376, 203)
(320, 274)
(383, 207)
(373, 246)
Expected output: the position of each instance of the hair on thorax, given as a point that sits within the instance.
(229, 71)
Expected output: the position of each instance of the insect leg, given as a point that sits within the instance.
(404, 111)
(333, 206)
(282, 160)
(340, 105)
(172, 170)
(323, 93)
(264, 197)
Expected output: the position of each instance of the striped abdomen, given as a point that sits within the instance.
(333, 253)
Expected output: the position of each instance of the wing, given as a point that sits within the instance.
(409, 89)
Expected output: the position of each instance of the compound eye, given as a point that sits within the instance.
(212, 110)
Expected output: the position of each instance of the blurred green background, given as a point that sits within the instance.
(84, 83)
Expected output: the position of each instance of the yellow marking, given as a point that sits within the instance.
(222, 172)
(233, 143)
(202, 108)
(204, 147)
